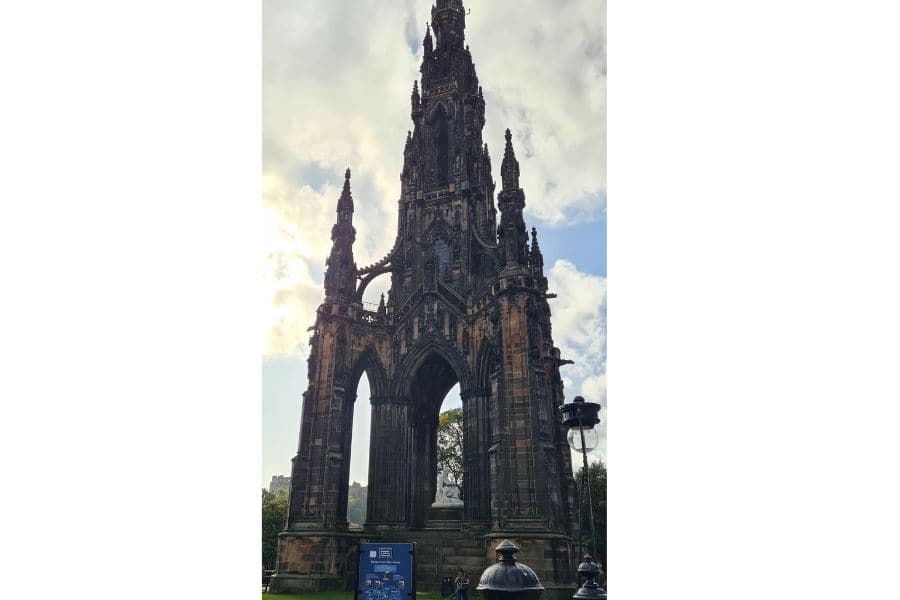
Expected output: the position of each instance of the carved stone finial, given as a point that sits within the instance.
(509, 170)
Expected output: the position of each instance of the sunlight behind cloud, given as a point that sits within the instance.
(336, 86)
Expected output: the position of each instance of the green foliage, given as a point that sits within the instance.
(597, 479)
(356, 511)
(274, 518)
(450, 444)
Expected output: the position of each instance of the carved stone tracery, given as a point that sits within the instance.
(466, 305)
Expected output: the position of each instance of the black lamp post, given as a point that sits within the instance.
(580, 418)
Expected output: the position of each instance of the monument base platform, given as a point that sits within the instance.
(315, 561)
(441, 550)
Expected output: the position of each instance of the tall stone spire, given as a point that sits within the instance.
(345, 202)
(428, 43)
(512, 201)
(340, 272)
(416, 100)
(449, 19)
(509, 169)
(537, 258)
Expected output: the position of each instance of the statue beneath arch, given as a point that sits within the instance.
(467, 305)
(447, 491)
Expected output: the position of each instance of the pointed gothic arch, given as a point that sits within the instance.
(367, 361)
(440, 131)
(441, 246)
(485, 363)
(417, 355)
(427, 373)
(438, 229)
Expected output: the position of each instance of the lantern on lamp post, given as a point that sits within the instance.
(580, 418)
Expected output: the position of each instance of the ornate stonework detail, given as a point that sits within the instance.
(468, 305)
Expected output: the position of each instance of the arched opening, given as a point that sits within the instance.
(358, 476)
(428, 388)
(439, 126)
(450, 452)
(366, 380)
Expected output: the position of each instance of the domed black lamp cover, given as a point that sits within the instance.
(509, 579)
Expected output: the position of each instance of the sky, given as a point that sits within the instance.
(336, 82)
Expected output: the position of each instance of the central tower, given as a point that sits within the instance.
(467, 304)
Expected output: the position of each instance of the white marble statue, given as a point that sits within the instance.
(447, 491)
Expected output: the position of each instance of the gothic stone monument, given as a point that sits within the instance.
(467, 304)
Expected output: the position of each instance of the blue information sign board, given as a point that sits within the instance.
(385, 572)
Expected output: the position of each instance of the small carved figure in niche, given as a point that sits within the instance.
(431, 318)
(465, 341)
(395, 352)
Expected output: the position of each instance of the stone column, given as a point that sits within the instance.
(423, 466)
(389, 456)
(517, 416)
(476, 462)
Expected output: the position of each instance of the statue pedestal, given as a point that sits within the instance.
(440, 514)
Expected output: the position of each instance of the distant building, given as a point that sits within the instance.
(279, 482)
(356, 506)
(358, 491)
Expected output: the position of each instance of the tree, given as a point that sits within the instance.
(450, 445)
(356, 511)
(274, 517)
(597, 478)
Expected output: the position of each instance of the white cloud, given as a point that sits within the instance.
(336, 83)
(579, 329)
(542, 65)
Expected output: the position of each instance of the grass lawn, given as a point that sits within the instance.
(337, 596)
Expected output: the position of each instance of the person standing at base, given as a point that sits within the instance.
(462, 585)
